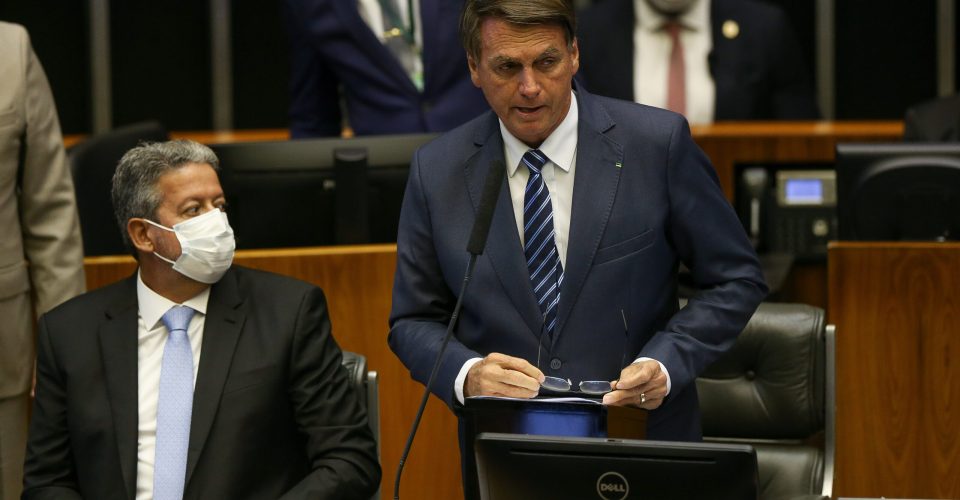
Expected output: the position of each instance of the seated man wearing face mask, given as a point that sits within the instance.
(192, 378)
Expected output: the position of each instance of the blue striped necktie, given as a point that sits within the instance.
(174, 407)
(540, 248)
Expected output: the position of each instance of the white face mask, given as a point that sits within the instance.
(206, 246)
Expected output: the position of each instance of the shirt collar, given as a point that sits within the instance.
(560, 147)
(153, 306)
(696, 19)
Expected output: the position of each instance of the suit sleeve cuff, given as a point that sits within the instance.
(462, 378)
(662, 368)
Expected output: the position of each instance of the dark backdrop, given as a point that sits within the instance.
(885, 58)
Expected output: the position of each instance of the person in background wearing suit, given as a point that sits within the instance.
(710, 60)
(395, 65)
(193, 378)
(937, 120)
(604, 200)
(40, 248)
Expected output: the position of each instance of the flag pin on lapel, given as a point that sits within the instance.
(619, 165)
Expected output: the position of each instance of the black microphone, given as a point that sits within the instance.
(488, 201)
(478, 240)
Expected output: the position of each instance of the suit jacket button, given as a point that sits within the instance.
(555, 364)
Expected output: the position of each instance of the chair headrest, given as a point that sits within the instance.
(770, 385)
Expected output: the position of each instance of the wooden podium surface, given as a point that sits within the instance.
(358, 282)
(897, 311)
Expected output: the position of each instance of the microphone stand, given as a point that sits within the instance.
(478, 240)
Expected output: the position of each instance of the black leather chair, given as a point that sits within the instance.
(366, 384)
(774, 390)
(92, 163)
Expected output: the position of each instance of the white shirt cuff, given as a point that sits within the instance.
(462, 378)
(662, 368)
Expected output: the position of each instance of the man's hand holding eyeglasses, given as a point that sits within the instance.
(642, 384)
(501, 375)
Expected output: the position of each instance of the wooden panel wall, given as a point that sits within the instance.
(897, 311)
(358, 283)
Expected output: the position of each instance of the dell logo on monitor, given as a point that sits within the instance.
(612, 486)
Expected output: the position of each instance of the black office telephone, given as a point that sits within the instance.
(788, 208)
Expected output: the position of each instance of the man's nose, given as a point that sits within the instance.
(529, 85)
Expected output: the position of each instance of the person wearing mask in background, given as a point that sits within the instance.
(709, 60)
(193, 378)
(603, 200)
(377, 67)
(41, 253)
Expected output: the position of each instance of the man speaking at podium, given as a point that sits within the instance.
(604, 200)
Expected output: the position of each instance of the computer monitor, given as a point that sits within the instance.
(521, 467)
(898, 192)
(311, 192)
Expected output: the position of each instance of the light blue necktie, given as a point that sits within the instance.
(539, 243)
(174, 407)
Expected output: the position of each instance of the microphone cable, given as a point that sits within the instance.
(478, 240)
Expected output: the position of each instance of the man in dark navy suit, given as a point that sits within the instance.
(613, 195)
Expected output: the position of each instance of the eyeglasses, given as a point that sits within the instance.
(592, 387)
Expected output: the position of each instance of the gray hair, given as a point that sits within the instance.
(134, 191)
(521, 12)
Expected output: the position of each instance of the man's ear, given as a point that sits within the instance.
(575, 55)
(474, 70)
(137, 229)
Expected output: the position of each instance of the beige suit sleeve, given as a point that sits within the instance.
(48, 208)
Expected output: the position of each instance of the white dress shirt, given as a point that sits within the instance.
(651, 59)
(151, 339)
(560, 148)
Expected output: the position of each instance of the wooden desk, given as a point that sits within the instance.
(897, 311)
(358, 283)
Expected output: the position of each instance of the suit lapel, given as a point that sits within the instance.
(503, 244)
(597, 176)
(226, 312)
(118, 348)
(349, 15)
